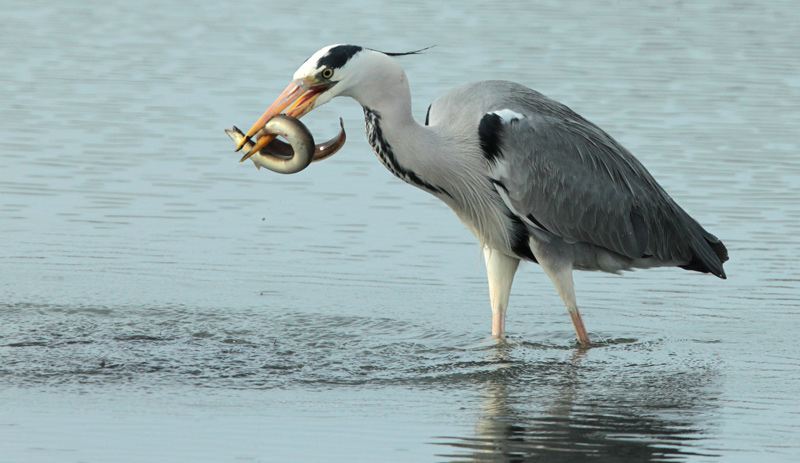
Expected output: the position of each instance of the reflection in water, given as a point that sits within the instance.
(576, 410)
(139, 258)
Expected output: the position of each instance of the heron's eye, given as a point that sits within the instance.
(327, 73)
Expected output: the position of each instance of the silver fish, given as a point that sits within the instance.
(292, 157)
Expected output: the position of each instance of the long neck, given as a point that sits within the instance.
(438, 162)
(406, 154)
(444, 159)
(412, 152)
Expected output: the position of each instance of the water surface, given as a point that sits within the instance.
(161, 302)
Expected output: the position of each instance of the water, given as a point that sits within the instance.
(161, 302)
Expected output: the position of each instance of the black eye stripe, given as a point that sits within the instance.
(337, 56)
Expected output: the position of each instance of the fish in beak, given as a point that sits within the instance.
(292, 157)
(296, 101)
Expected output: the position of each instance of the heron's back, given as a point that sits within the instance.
(574, 180)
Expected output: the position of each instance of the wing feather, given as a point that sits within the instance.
(582, 185)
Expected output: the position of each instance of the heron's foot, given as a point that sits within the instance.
(580, 330)
(499, 324)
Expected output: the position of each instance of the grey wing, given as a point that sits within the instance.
(560, 173)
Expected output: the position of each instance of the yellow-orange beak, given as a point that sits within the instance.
(296, 101)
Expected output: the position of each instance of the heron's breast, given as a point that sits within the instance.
(485, 217)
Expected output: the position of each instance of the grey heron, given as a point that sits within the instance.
(530, 178)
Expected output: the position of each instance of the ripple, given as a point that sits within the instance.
(139, 257)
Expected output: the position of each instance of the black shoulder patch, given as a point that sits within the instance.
(428, 114)
(518, 232)
(489, 131)
(519, 239)
(338, 56)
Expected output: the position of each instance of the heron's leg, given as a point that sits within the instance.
(556, 261)
(500, 269)
(561, 276)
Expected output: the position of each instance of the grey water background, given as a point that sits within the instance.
(161, 302)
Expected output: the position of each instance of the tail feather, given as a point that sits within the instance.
(708, 254)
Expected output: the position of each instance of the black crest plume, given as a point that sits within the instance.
(415, 52)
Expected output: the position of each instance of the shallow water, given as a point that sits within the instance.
(161, 302)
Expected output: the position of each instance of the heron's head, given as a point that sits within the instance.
(336, 70)
(328, 73)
